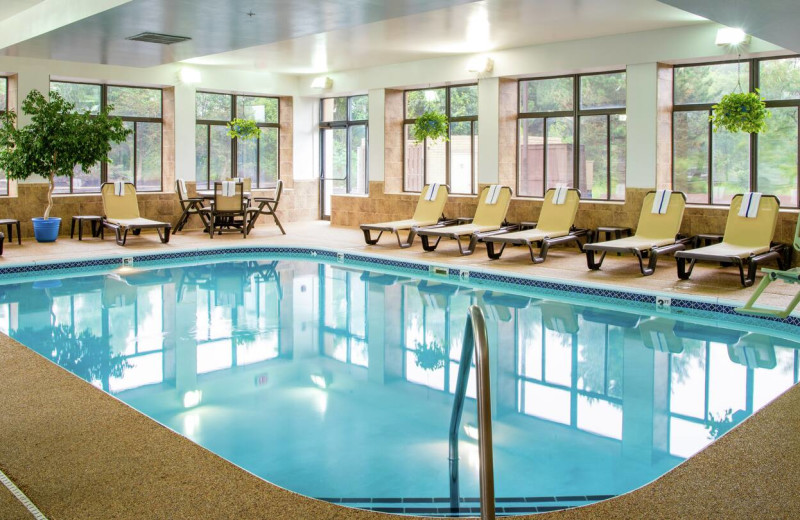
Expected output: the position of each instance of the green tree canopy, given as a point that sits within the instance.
(56, 140)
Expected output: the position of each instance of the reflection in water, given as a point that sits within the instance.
(337, 382)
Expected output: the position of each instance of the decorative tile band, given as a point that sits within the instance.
(583, 293)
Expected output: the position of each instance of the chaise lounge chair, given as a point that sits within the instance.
(747, 241)
(121, 213)
(490, 216)
(555, 226)
(656, 234)
(790, 276)
(429, 211)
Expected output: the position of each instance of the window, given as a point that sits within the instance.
(711, 167)
(548, 111)
(343, 138)
(3, 109)
(452, 162)
(139, 158)
(219, 157)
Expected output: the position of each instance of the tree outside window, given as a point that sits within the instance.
(452, 162)
(218, 157)
(547, 133)
(711, 167)
(138, 159)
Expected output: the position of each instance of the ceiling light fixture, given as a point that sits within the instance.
(732, 36)
(189, 76)
(323, 82)
(480, 65)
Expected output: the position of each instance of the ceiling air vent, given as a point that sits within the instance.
(161, 39)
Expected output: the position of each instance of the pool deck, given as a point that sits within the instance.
(78, 453)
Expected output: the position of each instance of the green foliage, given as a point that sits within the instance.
(243, 129)
(56, 140)
(431, 125)
(740, 112)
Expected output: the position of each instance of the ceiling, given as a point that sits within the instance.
(9, 8)
(772, 20)
(309, 36)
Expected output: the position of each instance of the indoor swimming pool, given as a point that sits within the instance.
(334, 377)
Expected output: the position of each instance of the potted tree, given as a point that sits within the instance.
(55, 141)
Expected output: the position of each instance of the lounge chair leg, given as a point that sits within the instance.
(368, 237)
(684, 273)
(409, 241)
(594, 266)
(426, 243)
(652, 259)
(121, 240)
(473, 241)
(211, 226)
(542, 256)
(751, 272)
(165, 237)
(491, 252)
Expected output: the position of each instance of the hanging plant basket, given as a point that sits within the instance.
(431, 125)
(243, 129)
(740, 112)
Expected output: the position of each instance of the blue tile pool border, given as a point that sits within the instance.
(581, 293)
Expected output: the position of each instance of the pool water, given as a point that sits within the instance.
(337, 383)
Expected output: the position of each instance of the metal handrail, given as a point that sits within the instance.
(474, 336)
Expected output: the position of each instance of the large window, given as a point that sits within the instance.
(453, 162)
(139, 158)
(3, 108)
(343, 137)
(711, 167)
(548, 111)
(219, 157)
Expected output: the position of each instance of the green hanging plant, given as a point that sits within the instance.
(243, 129)
(430, 356)
(740, 112)
(433, 125)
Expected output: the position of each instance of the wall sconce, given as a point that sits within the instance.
(323, 82)
(480, 65)
(189, 76)
(732, 36)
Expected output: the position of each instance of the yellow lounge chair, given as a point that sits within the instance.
(656, 234)
(428, 212)
(488, 217)
(555, 226)
(121, 213)
(790, 276)
(747, 241)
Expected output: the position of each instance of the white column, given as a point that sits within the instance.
(377, 103)
(305, 138)
(185, 132)
(642, 112)
(488, 130)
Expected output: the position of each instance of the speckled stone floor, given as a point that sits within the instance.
(81, 454)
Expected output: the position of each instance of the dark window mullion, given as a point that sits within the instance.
(608, 157)
(710, 158)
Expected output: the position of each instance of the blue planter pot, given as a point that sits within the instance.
(46, 230)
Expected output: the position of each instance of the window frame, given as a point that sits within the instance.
(473, 120)
(345, 124)
(754, 66)
(235, 142)
(128, 119)
(576, 113)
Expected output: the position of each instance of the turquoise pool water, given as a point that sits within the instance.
(336, 382)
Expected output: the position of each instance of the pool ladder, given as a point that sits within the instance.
(475, 339)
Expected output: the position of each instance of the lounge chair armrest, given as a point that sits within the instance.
(504, 229)
(464, 220)
(527, 224)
